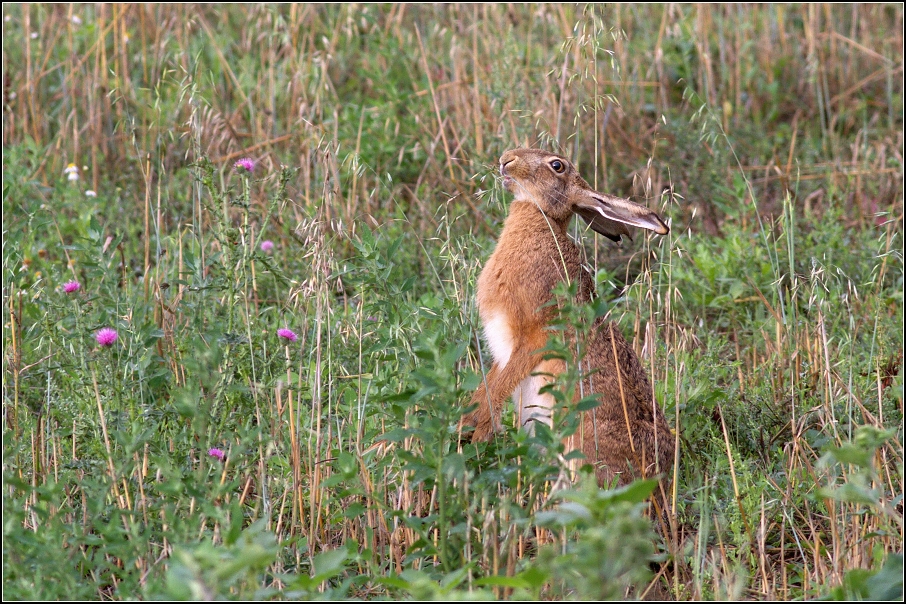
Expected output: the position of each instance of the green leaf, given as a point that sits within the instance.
(850, 493)
(887, 583)
(634, 492)
(588, 403)
(398, 434)
(453, 465)
(329, 564)
(851, 454)
(517, 582)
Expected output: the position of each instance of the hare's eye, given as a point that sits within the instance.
(558, 166)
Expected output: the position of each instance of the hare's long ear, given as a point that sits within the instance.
(610, 215)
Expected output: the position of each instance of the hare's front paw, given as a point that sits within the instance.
(485, 428)
(476, 426)
(483, 432)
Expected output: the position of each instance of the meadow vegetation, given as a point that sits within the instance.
(296, 336)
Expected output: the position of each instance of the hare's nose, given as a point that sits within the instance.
(503, 165)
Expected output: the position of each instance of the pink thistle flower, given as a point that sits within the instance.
(72, 286)
(246, 163)
(288, 334)
(267, 245)
(106, 336)
(215, 452)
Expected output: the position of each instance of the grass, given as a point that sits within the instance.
(770, 318)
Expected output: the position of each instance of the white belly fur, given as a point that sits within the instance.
(532, 406)
(499, 336)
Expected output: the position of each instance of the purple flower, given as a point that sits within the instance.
(288, 334)
(246, 163)
(215, 452)
(72, 286)
(267, 245)
(106, 336)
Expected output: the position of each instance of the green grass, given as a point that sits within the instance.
(770, 318)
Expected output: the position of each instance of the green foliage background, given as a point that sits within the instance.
(771, 318)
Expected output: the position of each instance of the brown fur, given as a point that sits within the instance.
(533, 255)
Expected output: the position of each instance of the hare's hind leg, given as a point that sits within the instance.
(606, 446)
(626, 452)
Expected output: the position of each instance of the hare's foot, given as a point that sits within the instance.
(479, 423)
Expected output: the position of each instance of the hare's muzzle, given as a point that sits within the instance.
(507, 179)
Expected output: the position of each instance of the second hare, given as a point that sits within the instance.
(626, 436)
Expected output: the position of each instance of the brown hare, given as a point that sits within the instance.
(626, 436)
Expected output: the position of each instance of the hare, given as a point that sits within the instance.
(626, 436)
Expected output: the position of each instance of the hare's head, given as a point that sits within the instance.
(554, 184)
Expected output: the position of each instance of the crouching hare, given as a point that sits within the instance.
(626, 436)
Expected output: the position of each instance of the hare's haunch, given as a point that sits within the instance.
(626, 436)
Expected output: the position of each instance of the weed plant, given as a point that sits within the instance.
(240, 248)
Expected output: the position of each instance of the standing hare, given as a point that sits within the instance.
(626, 436)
